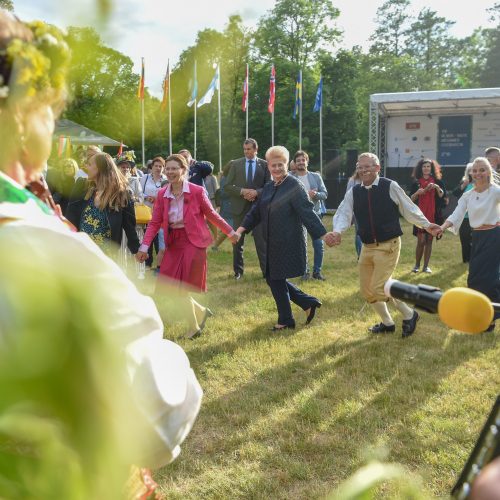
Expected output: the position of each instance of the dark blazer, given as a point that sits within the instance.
(237, 179)
(123, 219)
(283, 211)
(198, 171)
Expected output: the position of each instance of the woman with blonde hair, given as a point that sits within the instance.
(285, 210)
(482, 203)
(102, 205)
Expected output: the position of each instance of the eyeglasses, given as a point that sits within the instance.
(360, 168)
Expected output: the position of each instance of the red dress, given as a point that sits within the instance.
(185, 259)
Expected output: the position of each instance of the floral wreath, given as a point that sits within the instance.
(31, 68)
(126, 156)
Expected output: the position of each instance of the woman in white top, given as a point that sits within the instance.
(151, 184)
(482, 203)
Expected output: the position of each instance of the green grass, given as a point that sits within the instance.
(293, 414)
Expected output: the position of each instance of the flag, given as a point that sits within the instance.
(166, 81)
(244, 103)
(272, 90)
(214, 85)
(140, 89)
(194, 89)
(120, 149)
(64, 148)
(319, 96)
(298, 94)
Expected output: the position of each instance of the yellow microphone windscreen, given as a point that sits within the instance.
(466, 310)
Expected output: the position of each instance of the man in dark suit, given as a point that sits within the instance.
(245, 181)
(198, 170)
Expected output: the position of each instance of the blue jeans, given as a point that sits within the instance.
(319, 249)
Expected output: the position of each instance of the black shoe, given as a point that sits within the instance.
(284, 327)
(194, 335)
(238, 276)
(381, 328)
(312, 312)
(318, 276)
(409, 325)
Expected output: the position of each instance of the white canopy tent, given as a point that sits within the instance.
(80, 135)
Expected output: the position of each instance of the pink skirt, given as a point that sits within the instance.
(183, 262)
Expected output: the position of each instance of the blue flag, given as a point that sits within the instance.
(298, 95)
(319, 96)
(214, 85)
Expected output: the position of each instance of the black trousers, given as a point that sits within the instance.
(484, 267)
(283, 292)
(260, 247)
(465, 233)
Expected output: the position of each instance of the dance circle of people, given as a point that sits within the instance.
(277, 201)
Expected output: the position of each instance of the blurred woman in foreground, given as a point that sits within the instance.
(87, 385)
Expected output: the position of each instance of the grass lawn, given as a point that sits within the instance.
(293, 414)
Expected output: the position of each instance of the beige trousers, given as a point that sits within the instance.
(376, 265)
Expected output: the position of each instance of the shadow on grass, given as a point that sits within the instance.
(287, 413)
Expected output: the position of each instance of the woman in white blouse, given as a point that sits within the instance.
(483, 206)
(151, 184)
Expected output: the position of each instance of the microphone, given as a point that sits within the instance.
(459, 308)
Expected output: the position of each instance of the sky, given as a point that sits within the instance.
(159, 30)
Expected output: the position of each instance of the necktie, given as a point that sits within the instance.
(250, 172)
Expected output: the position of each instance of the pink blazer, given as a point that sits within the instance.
(197, 208)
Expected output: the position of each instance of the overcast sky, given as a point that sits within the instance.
(162, 29)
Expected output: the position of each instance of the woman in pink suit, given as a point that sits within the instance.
(182, 210)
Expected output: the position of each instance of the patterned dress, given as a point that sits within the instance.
(95, 223)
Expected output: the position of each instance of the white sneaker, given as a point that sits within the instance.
(427, 270)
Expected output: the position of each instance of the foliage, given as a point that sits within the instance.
(7, 5)
(392, 25)
(295, 29)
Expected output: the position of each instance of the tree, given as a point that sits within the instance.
(295, 30)
(490, 76)
(429, 44)
(7, 5)
(392, 26)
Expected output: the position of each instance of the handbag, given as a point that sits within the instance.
(143, 214)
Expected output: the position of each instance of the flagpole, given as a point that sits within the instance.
(142, 123)
(300, 109)
(272, 128)
(195, 101)
(321, 140)
(169, 111)
(220, 130)
(248, 95)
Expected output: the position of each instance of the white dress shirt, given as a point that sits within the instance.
(483, 208)
(343, 216)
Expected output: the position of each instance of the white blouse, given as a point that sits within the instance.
(483, 208)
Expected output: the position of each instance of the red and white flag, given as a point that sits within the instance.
(272, 90)
(244, 102)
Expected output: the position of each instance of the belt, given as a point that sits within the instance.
(486, 227)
